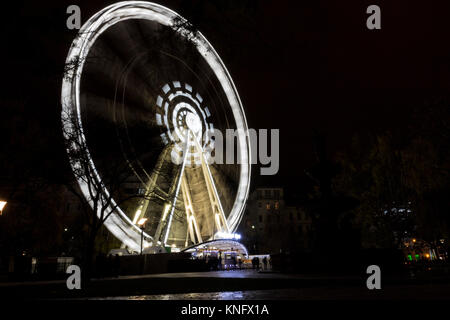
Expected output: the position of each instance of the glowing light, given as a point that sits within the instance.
(137, 215)
(414, 240)
(228, 235)
(166, 209)
(142, 221)
(217, 217)
(2, 206)
(184, 114)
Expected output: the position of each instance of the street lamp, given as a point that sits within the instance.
(2, 205)
(141, 224)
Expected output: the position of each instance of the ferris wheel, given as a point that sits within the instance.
(145, 90)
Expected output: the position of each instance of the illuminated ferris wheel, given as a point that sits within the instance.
(145, 91)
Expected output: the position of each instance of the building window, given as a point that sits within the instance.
(260, 218)
(259, 194)
(276, 194)
(267, 193)
(277, 205)
(259, 204)
(268, 206)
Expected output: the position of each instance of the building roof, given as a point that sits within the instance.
(220, 244)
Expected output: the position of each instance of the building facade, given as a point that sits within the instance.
(271, 225)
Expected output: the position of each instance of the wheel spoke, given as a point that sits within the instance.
(217, 209)
(190, 213)
(150, 187)
(164, 225)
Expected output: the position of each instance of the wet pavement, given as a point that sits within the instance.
(232, 274)
(232, 285)
(435, 292)
(358, 292)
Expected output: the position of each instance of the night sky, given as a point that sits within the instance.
(300, 66)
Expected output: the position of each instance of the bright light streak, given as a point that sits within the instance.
(227, 235)
(177, 190)
(217, 220)
(2, 205)
(142, 221)
(137, 215)
(166, 209)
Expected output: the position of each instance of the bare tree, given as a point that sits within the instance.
(96, 203)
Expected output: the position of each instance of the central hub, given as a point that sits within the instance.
(180, 109)
(194, 123)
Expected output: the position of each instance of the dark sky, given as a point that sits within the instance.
(299, 66)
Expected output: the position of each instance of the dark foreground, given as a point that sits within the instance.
(233, 285)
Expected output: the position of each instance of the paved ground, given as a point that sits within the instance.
(435, 292)
(232, 285)
(231, 274)
(249, 273)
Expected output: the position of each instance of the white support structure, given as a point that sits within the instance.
(217, 209)
(142, 208)
(190, 214)
(193, 230)
(171, 209)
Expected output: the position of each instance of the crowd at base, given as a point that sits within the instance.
(29, 269)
